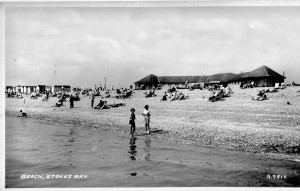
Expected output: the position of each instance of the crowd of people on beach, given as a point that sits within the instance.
(174, 96)
(218, 93)
(124, 93)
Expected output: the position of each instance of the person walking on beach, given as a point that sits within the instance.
(47, 95)
(71, 101)
(132, 122)
(92, 100)
(147, 115)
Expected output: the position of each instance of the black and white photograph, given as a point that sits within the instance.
(141, 95)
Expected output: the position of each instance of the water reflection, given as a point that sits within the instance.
(132, 148)
(147, 148)
(70, 145)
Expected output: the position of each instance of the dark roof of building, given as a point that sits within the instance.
(181, 79)
(148, 79)
(236, 77)
(221, 77)
(65, 86)
(262, 71)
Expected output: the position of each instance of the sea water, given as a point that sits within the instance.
(38, 154)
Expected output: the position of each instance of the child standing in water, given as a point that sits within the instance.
(147, 115)
(132, 122)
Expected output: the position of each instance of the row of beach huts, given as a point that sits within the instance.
(38, 88)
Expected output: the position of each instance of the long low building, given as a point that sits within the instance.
(39, 88)
(260, 77)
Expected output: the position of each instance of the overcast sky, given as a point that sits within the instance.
(126, 44)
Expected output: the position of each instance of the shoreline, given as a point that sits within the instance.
(194, 121)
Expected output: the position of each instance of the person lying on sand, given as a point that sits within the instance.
(23, 114)
(116, 104)
(102, 105)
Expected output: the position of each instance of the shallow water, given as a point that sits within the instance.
(116, 160)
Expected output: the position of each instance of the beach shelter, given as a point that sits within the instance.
(180, 80)
(147, 82)
(57, 88)
(262, 77)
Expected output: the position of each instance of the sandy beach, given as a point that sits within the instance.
(270, 128)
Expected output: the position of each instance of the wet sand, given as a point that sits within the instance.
(111, 159)
(269, 128)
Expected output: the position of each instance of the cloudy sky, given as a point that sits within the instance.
(85, 45)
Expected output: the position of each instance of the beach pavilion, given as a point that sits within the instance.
(260, 77)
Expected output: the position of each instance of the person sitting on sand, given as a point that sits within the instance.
(218, 95)
(118, 91)
(261, 95)
(45, 98)
(180, 96)
(186, 96)
(227, 92)
(105, 106)
(23, 114)
(164, 98)
(100, 104)
(9, 94)
(147, 115)
(132, 122)
(172, 96)
(60, 102)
